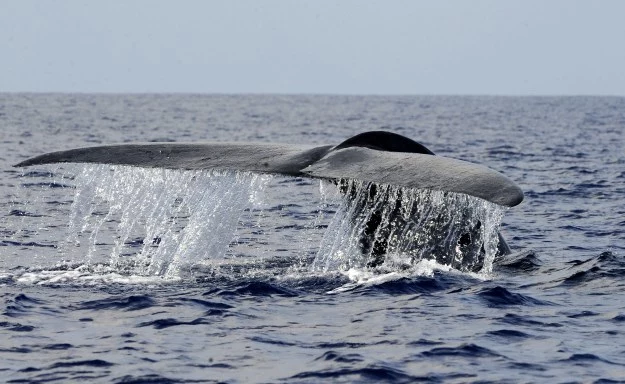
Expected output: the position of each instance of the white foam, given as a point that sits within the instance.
(84, 276)
(423, 268)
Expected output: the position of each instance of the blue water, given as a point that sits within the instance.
(115, 274)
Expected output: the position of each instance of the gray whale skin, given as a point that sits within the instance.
(377, 156)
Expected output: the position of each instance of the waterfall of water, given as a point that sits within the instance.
(396, 227)
(158, 220)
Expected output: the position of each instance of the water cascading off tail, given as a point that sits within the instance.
(408, 226)
(156, 222)
(175, 218)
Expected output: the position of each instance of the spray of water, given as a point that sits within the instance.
(383, 225)
(157, 220)
(163, 223)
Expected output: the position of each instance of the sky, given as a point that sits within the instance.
(451, 47)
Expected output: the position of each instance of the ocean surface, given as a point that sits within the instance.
(130, 275)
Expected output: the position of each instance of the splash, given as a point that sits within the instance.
(383, 225)
(158, 223)
(158, 220)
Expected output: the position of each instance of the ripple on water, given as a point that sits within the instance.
(338, 357)
(526, 261)
(21, 305)
(501, 297)
(527, 321)
(258, 288)
(369, 374)
(464, 350)
(128, 303)
(607, 267)
(509, 334)
(171, 322)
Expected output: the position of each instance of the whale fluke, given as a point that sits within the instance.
(377, 156)
(254, 157)
(415, 170)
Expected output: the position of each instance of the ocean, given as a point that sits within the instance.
(131, 275)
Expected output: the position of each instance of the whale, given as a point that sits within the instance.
(377, 156)
(374, 158)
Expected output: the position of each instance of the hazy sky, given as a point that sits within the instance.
(561, 47)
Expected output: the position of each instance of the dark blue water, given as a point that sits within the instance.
(113, 274)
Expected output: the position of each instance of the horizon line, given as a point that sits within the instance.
(308, 94)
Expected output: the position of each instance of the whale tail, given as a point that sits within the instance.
(378, 157)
